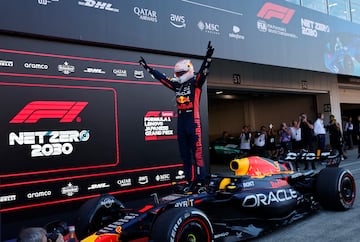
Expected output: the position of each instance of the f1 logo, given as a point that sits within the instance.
(271, 10)
(66, 111)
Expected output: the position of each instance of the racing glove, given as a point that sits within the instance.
(210, 50)
(142, 62)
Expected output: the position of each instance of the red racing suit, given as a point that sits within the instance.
(189, 126)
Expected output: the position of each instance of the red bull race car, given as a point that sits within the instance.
(261, 195)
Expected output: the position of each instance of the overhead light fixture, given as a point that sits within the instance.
(228, 96)
(219, 92)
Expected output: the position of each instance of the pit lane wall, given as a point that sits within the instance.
(78, 121)
(272, 32)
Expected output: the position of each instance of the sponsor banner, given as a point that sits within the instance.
(100, 5)
(74, 124)
(73, 67)
(6, 63)
(70, 136)
(159, 125)
(65, 190)
(47, 2)
(273, 32)
(53, 128)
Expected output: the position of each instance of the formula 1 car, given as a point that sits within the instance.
(261, 195)
(225, 150)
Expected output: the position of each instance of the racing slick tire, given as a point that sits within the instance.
(96, 213)
(181, 225)
(336, 188)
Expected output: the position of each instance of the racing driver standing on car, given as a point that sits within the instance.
(188, 87)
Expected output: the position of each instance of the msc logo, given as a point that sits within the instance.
(271, 10)
(66, 111)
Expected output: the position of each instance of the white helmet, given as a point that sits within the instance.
(184, 70)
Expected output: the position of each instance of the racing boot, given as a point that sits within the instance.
(186, 188)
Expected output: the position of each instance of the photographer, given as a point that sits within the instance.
(319, 131)
(285, 138)
(38, 234)
(260, 142)
(271, 143)
(307, 135)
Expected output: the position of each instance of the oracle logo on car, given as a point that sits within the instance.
(66, 111)
(261, 199)
(271, 10)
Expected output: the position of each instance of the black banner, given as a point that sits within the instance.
(268, 32)
(77, 121)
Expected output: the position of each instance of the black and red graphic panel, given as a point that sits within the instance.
(49, 128)
(78, 121)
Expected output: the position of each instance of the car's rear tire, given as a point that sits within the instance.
(336, 188)
(181, 225)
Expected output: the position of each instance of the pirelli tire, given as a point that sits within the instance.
(335, 188)
(182, 225)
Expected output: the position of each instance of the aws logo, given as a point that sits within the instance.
(65, 111)
(271, 10)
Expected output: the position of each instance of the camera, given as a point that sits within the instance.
(54, 229)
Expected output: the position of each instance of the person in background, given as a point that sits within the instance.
(285, 138)
(271, 143)
(307, 137)
(337, 141)
(320, 131)
(260, 142)
(331, 129)
(245, 140)
(225, 136)
(295, 135)
(348, 133)
(37, 234)
(358, 135)
(335, 134)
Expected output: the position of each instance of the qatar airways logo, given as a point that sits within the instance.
(271, 10)
(49, 142)
(146, 14)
